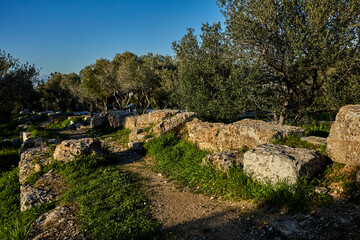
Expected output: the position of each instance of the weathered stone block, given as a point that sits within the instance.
(274, 163)
(343, 143)
(68, 150)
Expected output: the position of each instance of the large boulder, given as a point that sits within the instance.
(151, 118)
(34, 155)
(59, 223)
(174, 123)
(277, 163)
(68, 150)
(117, 118)
(343, 143)
(205, 134)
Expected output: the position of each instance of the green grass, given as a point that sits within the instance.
(111, 202)
(316, 128)
(118, 135)
(9, 158)
(9, 129)
(13, 223)
(181, 161)
(63, 124)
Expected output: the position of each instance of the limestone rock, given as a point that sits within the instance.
(117, 118)
(274, 163)
(247, 132)
(24, 136)
(45, 190)
(343, 143)
(99, 120)
(137, 134)
(251, 133)
(315, 140)
(60, 223)
(174, 123)
(145, 120)
(68, 150)
(224, 160)
(136, 146)
(205, 134)
(33, 157)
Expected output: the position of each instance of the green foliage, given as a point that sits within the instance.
(302, 42)
(293, 140)
(182, 161)
(16, 85)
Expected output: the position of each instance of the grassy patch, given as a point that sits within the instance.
(181, 161)
(111, 202)
(118, 135)
(9, 158)
(293, 140)
(316, 128)
(9, 129)
(13, 223)
(63, 124)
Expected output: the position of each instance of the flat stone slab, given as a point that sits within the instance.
(277, 163)
(315, 140)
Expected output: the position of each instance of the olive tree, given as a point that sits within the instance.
(298, 40)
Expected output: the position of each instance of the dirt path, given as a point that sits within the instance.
(188, 215)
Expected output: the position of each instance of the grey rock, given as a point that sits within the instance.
(224, 160)
(274, 163)
(59, 223)
(174, 123)
(68, 150)
(136, 146)
(315, 140)
(117, 118)
(343, 143)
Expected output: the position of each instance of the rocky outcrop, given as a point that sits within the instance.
(343, 143)
(244, 133)
(277, 163)
(117, 118)
(60, 223)
(314, 140)
(45, 190)
(151, 118)
(34, 155)
(224, 160)
(68, 150)
(174, 123)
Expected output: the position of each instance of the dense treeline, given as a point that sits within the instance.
(290, 58)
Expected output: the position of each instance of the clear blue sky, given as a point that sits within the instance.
(65, 36)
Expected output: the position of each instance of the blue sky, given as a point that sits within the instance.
(65, 36)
